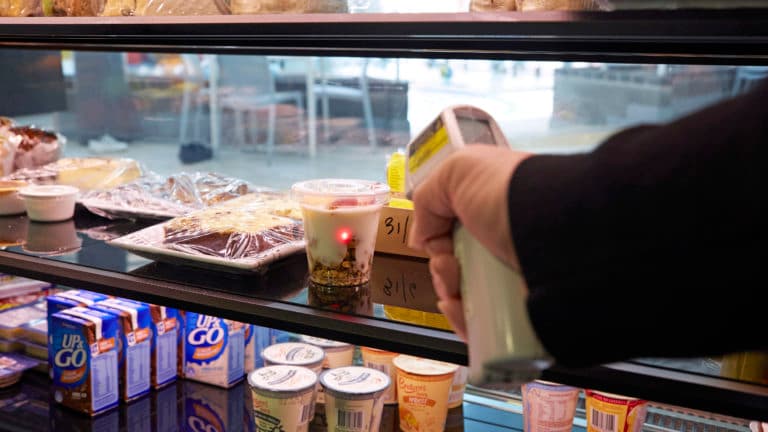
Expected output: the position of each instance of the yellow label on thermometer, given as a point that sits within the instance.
(428, 148)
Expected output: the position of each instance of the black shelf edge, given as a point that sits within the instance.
(677, 36)
(358, 330)
(672, 387)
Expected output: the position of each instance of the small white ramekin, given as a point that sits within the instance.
(49, 203)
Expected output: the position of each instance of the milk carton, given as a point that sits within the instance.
(84, 348)
(165, 327)
(214, 350)
(69, 299)
(135, 345)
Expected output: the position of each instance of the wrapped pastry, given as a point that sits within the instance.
(83, 173)
(20, 8)
(540, 5)
(77, 7)
(182, 7)
(34, 147)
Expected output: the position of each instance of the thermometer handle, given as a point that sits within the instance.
(504, 350)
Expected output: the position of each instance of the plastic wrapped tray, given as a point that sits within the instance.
(12, 320)
(84, 173)
(35, 332)
(242, 235)
(158, 197)
(680, 4)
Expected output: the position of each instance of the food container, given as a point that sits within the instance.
(49, 203)
(423, 387)
(459, 383)
(283, 397)
(382, 361)
(337, 354)
(297, 354)
(52, 238)
(607, 411)
(10, 201)
(35, 351)
(340, 226)
(11, 345)
(354, 398)
(548, 407)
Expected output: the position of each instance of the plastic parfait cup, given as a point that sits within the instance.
(337, 354)
(354, 398)
(382, 361)
(548, 407)
(422, 393)
(283, 397)
(341, 218)
(607, 411)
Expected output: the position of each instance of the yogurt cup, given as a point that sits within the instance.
(423, 387)
(294, 354)
(354, 398)
(382, 361)
(297, 354)
(283, 397)
(10, 201)
(548, 407)
(337, 354)
(341, 218)
(49, 203)
(459, 383)
(606, 411)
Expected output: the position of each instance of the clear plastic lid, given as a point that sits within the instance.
(323, 343)
(48, 191)
(335, 193)
(293, 353)
(422, 366)
(354, 380)
(282, 378)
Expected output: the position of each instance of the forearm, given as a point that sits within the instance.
(650, 232)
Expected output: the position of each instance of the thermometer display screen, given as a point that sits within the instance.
(475, 131)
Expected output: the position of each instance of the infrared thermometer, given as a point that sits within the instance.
(503, 348)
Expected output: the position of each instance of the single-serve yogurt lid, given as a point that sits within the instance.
(340, 192)
(323, 343)
(293, 353)
(422, 366)
(355, 380)
(282, 379)
(48, 191)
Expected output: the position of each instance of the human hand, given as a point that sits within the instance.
(471, 187)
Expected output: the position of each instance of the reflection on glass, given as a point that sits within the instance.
(351, 299)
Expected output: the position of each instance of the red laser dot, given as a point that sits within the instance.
(344, 236)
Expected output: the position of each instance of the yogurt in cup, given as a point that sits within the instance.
(548, 407)
(337, 354)
(382, 361)
(283, 397)
(423, 387)
(297, 354)
(354, 398)
(49, 203)
(341, 218)
(606, 411)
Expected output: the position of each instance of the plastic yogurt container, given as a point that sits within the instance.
(423, 387)
(354, 398)
(382, 361)
(548, 407)
(337, 354)
(283, 397)
(606, 411)
(297, 354)
(341, 218)
(49, 203)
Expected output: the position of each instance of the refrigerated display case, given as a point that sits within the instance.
(555, 81)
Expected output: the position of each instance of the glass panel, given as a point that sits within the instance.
(275, 120)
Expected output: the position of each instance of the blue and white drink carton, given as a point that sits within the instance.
(214, 350)
(166, 327)
(84, 348)
(135, 345)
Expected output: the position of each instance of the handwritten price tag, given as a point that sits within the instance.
(392, 237)
(402, 282)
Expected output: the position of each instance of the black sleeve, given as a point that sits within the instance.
(654, 243)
